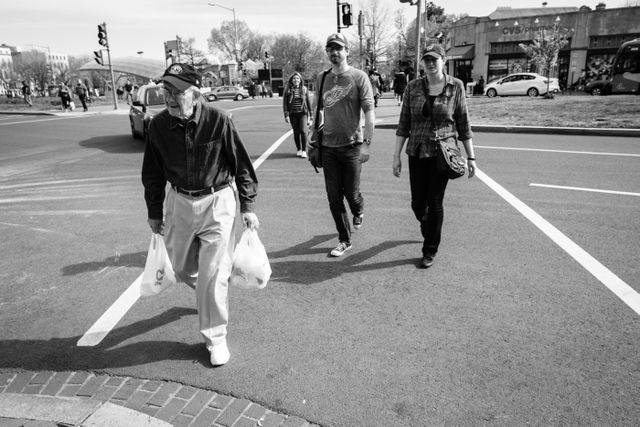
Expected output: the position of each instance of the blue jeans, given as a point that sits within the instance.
(427, 196)
(342, 168)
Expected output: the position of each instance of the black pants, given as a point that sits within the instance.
(427, 196)
(83, 100)
(299, 125)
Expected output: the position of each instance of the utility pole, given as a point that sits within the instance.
(104, 41)
(418, 25)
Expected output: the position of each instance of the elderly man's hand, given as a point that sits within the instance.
(251, 220)
(157, 225)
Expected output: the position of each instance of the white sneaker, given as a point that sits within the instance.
(299, 153)
(304, 154)
(341, 249)
(219, 353)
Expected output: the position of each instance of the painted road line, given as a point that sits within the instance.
(616, 285)
(101, 328)
(591, 190)
(596, 153)
(40, 120)
(112, 316)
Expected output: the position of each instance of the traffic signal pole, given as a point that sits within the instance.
(103, 41)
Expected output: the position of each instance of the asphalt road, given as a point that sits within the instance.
(523, 319)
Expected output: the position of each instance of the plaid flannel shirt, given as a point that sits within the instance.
(450, 117)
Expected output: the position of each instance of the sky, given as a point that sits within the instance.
(70, 26)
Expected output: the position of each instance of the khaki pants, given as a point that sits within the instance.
(197, 234)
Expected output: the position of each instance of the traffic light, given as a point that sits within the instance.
(98, 57)
(240, 66)
(346, 14)
(102, 35)
(266, 55)
(360, 24)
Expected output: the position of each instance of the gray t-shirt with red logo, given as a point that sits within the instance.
(344, 96)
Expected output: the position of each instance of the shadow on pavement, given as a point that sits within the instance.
(114, 144)
(308, 272)
(62, 354)
(126, 260)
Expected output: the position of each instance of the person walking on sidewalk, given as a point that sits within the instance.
(65, 97)
(346, 93)
(26, 93)
(297, 105)
(423, 120)
(81, 91)
(197, 149)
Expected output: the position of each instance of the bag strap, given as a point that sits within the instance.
(319, 105)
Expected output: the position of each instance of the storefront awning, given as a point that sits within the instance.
(462, 52)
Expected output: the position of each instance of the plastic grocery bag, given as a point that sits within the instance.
(251, 269)
(158, 273)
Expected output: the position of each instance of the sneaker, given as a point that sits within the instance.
(304, 155)
(427, 261)
(299, 153)
(341, 249)
(219, 354)
(357, 221)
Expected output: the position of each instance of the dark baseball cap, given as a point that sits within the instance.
(434, 50)
(182, 76)
(337, 38)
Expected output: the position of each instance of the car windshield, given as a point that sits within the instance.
(155, 96)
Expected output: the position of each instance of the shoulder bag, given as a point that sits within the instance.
(315, 148)
(449, 157)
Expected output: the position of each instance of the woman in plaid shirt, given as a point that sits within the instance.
(423, 120)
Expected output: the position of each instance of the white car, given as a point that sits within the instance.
(530, 84)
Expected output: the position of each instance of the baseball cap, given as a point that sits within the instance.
(434, 50)
(337, 38)
(181, 76)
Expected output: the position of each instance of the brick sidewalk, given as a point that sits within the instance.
(172, 402)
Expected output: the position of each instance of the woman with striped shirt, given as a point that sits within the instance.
(296, 106)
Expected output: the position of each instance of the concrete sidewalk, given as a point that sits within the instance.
(85, 399)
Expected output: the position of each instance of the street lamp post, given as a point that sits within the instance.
(235, 30)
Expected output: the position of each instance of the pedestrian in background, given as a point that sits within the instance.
(423, 120)
(81, 92)
(297, 105)
(26, 93)
(65, 96)
(346, 93)
(201, 202)
(376, 85)
(128, 91)
(399, 85)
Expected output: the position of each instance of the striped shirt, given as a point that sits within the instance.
(450, 117)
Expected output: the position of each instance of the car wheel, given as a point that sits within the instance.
(533, 92)
(239, 97)
(491, 93)
(596, 91)
(133, 129)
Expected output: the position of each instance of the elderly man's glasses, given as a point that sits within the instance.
(173, 93)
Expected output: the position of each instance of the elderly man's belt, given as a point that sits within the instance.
(199, 193)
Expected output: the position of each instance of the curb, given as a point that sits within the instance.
(542, 130)
(86, 399)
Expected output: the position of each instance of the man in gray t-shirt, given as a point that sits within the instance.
(346, 94)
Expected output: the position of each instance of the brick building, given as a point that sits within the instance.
(489, 46)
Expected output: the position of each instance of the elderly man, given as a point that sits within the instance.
(196, 148)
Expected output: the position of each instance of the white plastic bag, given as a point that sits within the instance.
(158, 272)
(251, 269)
(72, 105)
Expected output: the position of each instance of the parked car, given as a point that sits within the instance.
(530, 84)
(598, 87)
(148, 102)
(226, 92)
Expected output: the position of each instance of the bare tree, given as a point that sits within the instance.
(379, 35)
(544, 48)
(32, 65)
(191, 54)
(297, 53)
